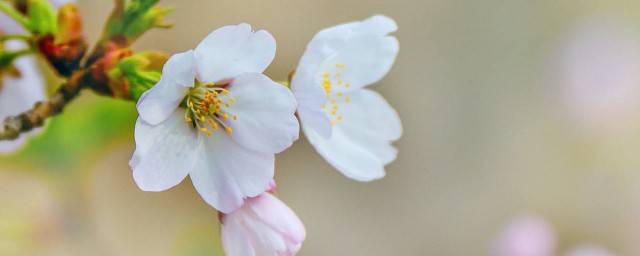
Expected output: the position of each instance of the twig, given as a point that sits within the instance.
(13, 126)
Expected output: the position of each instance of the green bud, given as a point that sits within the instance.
(133, 20)
(137, 73)
(42, 17)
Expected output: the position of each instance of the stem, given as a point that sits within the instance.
(13, 126)
(13, 13)
(25, 38)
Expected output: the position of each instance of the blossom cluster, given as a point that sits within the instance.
(210, 113)
(215, 117)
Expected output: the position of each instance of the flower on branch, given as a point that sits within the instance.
(264, 225)
(215, 117)
(351, 127)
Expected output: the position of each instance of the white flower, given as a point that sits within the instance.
(22, 85)
(264, 225)
(532, 236)
(215, 117)
(351, 127)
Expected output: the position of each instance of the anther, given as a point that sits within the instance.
(339, 117)
(346, 99)
(225, 91)
(188, 120)
(228, 129)
(215, 126)
(325, 75)
(232, 99)
(235, 117)
(225, 116)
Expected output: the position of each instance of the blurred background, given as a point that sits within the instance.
(508, 107)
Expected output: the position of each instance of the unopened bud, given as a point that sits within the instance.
(136, 74)
(42, 17)
(132, 20)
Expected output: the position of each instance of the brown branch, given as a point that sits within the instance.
(13, 126)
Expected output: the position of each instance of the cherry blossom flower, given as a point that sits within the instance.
(526, 236)
(215, 117)
(531, 235)
(264, 225)
(599, 86)
(22, 84)
(351, 127)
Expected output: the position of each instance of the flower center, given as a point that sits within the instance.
(207, 108)
(333, 86)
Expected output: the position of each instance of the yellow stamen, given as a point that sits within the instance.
(338, 74)
(339, 117)
(229, 129)
(325, 75)
(225, 91)
(215, 126)
(332, 123)
(235, 117)
(202, 118)
(225, 116)
(208, 133)
(188, 120)
(346, 85)
(346, 99)
(339, 93)
(232, 99)
(210, 120)
(324, 106)
(203, 129)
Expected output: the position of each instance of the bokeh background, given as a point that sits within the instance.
(509, 107)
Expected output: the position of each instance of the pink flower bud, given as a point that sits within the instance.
(264, 225)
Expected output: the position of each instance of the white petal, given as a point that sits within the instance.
(165, 153)
(359, 146)
(310, 100)
(178, 74)
(266, 122)
(19, 93)
(366, 59)
(226, 173)
(232, 50)
(378, 24)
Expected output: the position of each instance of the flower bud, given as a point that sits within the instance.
(136, 74)
(132, 20)
(42, 17)
(65, 48)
